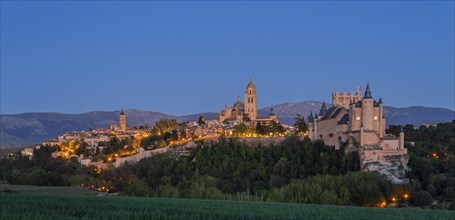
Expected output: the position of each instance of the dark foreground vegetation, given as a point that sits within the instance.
(295, 171)
(30, 206)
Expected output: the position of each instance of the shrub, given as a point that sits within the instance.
(449, 194)
(452, 206)
(421, 198)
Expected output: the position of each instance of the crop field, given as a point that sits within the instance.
(45, 190)
(66, 204)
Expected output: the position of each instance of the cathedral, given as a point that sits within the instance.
(246, 112)
(359, 125)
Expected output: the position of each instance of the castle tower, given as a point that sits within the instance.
(344, 100)
(367, 110)
(122, 121)
(251, 107)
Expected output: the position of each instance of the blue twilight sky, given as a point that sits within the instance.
(189, 57)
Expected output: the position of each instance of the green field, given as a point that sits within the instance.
(29, 202)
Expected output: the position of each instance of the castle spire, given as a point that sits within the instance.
(380, 100)
(367, 92)
(310, 118)
(323, 109)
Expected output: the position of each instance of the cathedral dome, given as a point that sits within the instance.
(239, 105)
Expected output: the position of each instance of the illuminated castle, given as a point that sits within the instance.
(359, 125)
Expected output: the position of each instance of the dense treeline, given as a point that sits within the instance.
(232, 167)
(442, 133)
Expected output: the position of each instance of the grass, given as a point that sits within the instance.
(45, 190)
(66, 203)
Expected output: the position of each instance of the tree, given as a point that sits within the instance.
(300, 125)
(246, 118)
(240, 129)
(174, 135)
(201, 121)
(364, 188)
(82, 149)
(183, 133)
(259, 128)
(137, 188)
(421, 198)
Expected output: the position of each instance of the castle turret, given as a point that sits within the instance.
(381, 119)
(401, 138)
(367, 110)
(323, 109)
(251, 101)
(310, 118)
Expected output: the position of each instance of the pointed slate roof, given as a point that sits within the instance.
(323, 109)
(310, 118)
(368, 92)
(122, 113)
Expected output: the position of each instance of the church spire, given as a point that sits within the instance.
(380, 100)
(272, 112)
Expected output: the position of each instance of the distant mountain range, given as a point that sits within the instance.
(27, 128)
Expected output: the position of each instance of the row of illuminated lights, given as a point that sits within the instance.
(394, 200)
(101, 189)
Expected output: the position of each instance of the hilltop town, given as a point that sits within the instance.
(354, 123)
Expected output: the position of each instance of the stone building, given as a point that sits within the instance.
(247, 111)
(122, 121)
(360, 126)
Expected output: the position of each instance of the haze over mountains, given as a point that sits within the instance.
(28, 128)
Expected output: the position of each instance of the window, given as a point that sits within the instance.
(358, 118)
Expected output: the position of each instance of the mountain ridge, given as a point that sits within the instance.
(38, 126)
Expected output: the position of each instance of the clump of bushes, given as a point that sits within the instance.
(421, 198)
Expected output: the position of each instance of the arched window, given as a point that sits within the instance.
(252, 99)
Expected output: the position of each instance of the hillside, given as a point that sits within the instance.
(26, 128)
(8, 141)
